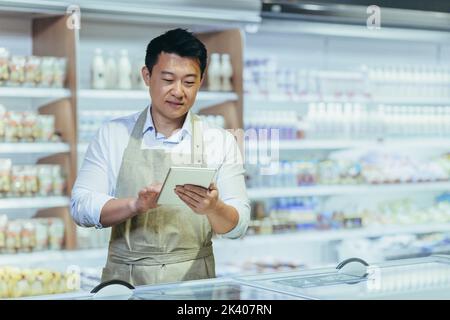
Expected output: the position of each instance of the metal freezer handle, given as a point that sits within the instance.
(353, 266)
(113, 288)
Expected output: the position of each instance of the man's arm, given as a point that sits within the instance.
(92, 187)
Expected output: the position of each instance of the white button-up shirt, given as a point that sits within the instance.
(96, 180)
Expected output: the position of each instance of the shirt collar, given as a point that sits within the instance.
(185, 129)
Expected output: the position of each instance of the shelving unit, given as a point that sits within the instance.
(336, 144)
(225, 249)
(314, 247)
(34, 202)
(42, 32)
(58, 260)
(280, 98)
(338, 50)
(33, 93)
(308, 191)
(343, 234)
(34, 148)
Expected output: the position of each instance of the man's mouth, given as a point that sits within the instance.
(176, 103)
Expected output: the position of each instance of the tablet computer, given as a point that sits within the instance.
(180, 176)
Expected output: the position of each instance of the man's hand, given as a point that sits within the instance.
(146, 199)
(199, 199)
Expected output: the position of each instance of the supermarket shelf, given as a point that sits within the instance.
(56, 259)
(305, 191)
(350, 144)
(38, 93)
(144, 95)
(97, 257)
(335, 235)
(417, 252)
(413, 101)
(34, 147)
(34, 202)
(282, 98)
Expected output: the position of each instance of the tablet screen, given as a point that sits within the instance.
(180, 176)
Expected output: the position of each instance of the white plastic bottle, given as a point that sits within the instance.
(111, 72)
(124, 74)
(98, 70)
(214, 73)
(226, 72)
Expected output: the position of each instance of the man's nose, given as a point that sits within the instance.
(177, 90)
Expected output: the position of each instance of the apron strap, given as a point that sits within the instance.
(135, 140)
(197, 141)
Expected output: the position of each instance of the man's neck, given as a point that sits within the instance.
(164, 125)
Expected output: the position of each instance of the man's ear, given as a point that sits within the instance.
(202, 79)
(146, 75)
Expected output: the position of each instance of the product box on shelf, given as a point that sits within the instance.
(27, 235)
(31, 180)
(16, 282)
(32, 71)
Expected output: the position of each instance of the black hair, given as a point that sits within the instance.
(177, 41)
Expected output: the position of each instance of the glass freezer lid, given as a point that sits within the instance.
(424, 278)
(217, 289)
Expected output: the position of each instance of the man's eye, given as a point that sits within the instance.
(168, 80)
(190, 83)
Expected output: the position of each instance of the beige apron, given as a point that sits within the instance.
(166, 244)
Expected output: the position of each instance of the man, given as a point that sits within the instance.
(120, 178)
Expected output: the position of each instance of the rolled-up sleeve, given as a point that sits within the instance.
(231, 186)
(91, 189)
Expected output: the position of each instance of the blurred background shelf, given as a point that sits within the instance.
(342, 234)
(33, 147)
(336, 144)
(34, 202)
(55, 93)
(306, 191)
(56, 259)
(281, 98)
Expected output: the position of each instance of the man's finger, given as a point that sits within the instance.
(193, 195)
(155, 187)
(198, 190)
(185, 193)
(141, 193)
(187, 200)
(153, 190)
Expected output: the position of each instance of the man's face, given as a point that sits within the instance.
(174, 82)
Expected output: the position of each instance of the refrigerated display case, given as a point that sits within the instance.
(350, 104)
(352, 279)
(418, 278)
